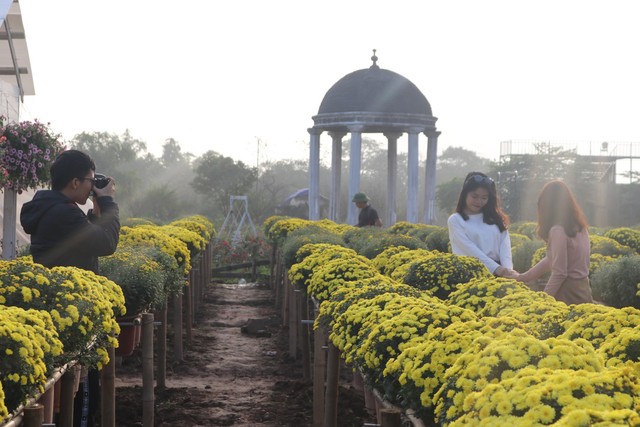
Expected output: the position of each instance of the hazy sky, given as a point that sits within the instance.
(219, 75)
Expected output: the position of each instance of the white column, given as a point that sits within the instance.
(429, 216)
(336, 173)
(314, 174)
(392, 177)
(355, 162)
(10, 218)
(412, 175)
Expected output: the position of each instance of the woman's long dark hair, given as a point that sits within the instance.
(558, 206)
(491, 212)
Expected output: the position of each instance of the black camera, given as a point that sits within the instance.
(101, 180)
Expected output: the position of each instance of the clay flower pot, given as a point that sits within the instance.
(130, 332)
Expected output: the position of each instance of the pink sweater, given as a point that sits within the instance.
(566, 257)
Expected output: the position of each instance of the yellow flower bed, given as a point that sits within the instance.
(598, 323)
(329, 276)
(441, 273)
(489, 351)
(389, 335)
(29, 347)
(198, 224)
(492, 360)
(540, 314)
(343, 298)
(545, 396)
(477, 293)
(313, 255)
(153, 236)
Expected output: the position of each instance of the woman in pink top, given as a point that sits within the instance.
(563, 226)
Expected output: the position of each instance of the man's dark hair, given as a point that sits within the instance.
(68, 165)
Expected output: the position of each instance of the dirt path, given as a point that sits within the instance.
(229, 378)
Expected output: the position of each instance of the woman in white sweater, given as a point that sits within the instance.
(478, 228)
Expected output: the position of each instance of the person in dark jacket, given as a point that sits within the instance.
(62, 235)
(368, 215)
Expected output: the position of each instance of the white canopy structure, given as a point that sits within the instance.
(374, 100)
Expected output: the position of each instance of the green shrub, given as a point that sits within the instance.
(625, 236)
(517, 239)
(616, 283)
(438, 240)
(300, 237)
(528, 228)
(522, 254)
(608, 247)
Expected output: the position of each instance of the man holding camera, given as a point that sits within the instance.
(62, 235)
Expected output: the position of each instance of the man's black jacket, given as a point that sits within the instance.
(62, 235)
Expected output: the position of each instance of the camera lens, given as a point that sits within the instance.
(101, 180)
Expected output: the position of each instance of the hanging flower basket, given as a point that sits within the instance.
(27, 150)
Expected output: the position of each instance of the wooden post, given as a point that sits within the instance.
(293, 323)
(188, 296)
(147, 370)
(9, 224)
(304, 325)
(319, 369)
(370, 401)
(254, 267)
(272, 266)
(33, 415)
(390, 418)
(162, 347)
(285, 297)
(331, 394)
(177, 328)
(47, 400)
(67, 392)
(277, 289)
(108, 391)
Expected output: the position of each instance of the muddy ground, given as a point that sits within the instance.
(229, 378)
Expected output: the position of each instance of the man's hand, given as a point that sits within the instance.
(109, 190)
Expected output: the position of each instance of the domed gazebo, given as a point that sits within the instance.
(374, 100)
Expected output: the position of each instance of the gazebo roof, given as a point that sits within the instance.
(15, 66)
(379, 99)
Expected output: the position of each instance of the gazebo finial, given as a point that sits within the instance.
(374, 58)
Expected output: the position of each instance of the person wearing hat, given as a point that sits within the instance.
(368, 216)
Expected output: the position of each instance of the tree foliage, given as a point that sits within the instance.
(219, 177)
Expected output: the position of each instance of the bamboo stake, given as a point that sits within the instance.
(276, 282)
(108, 391)
(34, 415)
(188, 299)
(162, 347)
(331, 394)
(319, 369)
(147, 370)
(47, 400)
(177, 328)
(390, 418)
(293, 323)
(272, 266)
(304, 336)
(67, 386)
(285, 294)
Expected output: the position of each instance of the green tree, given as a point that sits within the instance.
(447, 195)
(158, 203)
(172, 153)
(456, 162)
(121, 156)
(217, 177)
